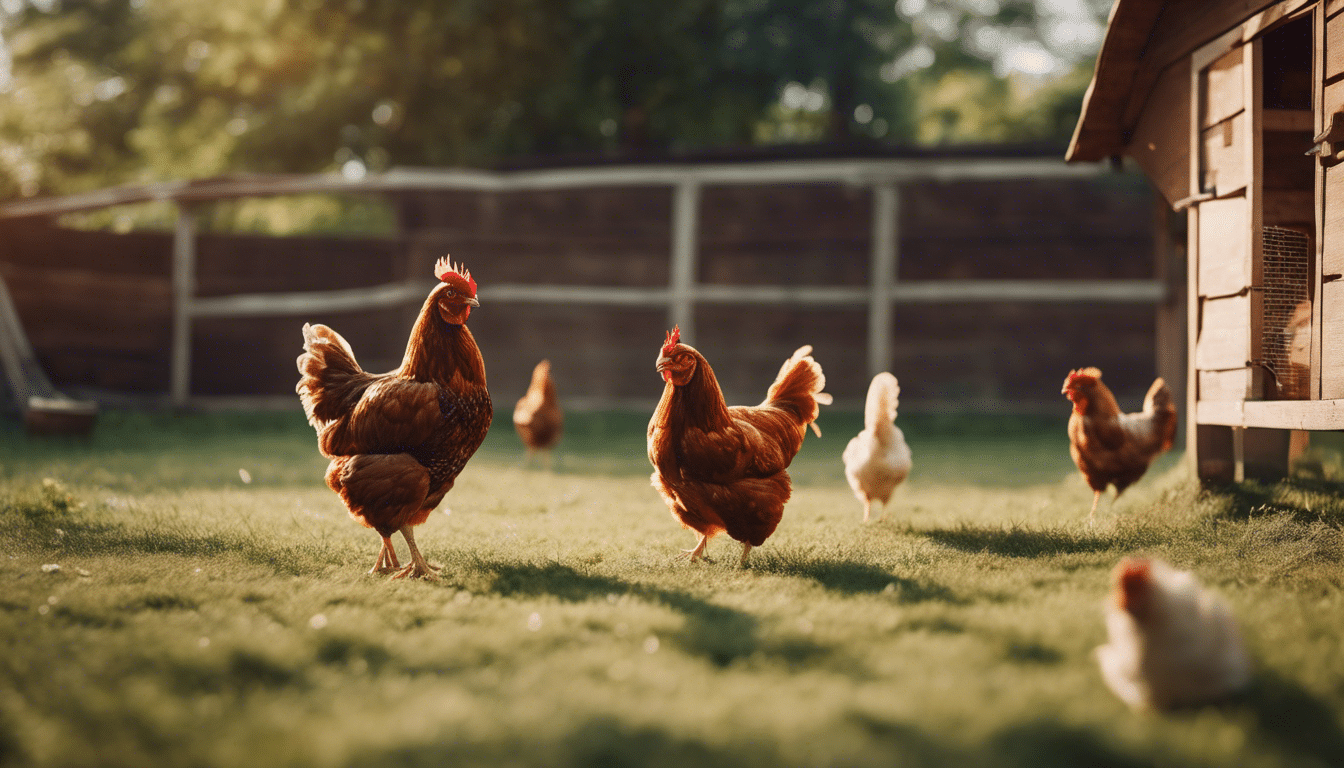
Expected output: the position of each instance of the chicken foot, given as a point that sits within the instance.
(387, 558)
(419, 567)
(1096, 498)
(697, 552)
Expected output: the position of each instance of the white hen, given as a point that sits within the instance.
(1172, 642)
(877, 459)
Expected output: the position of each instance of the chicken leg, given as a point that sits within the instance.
(698, 552)
(746, 550)
(1096, 498)
(387, 558)
(419, 567)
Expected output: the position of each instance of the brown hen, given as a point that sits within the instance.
(398, 440)
(725, 469)
(537, 416)
(1110, 447)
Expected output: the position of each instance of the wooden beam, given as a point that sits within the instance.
(856, 172)
(881, 275)
(184, 293)
(1274, 414)
(685, 248)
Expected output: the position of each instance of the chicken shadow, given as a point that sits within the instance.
(1027, 542)
(851, 578)
(716, 633)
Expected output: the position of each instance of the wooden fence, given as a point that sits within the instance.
(691, 200)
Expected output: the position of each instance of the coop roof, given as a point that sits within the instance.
(1100, 132)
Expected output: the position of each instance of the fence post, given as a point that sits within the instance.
(184, 293)
(685, 248)
(882, 275)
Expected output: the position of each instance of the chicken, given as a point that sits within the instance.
(1110, 447)
(877, 459)
(398, 440)
(1172, 643)
(537, 417)
(725, 469)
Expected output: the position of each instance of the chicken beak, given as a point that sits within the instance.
(663, 364)
(471, 302)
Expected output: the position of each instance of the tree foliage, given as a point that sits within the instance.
(111, 91)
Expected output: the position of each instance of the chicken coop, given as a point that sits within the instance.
(1235, 112)
(979, 277)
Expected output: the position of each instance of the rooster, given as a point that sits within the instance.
(725, 469)
(398, 440)
(877, 459)
(1110, 447)
(1172, 643)
(537, 417)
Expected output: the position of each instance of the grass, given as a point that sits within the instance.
(198, 619)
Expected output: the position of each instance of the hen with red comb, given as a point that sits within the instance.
(398, 440)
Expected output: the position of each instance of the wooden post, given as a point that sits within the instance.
(685, 247)
(882, 275)
(1171, 311)
(184, 292)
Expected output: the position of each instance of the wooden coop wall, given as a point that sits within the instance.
(990, 354)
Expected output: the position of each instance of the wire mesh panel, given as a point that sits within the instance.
(1287, 312)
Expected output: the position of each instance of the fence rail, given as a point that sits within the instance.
(682, 294)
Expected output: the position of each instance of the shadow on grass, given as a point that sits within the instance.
(719, 634)
(853, 578)
(1308, 500)
(1031, 542)
(1293, 719)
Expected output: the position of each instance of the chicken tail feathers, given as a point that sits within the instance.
(329, 374)
(1160, 403)
(883, 397)
(798, 387)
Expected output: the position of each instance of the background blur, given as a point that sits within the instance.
(130, 94)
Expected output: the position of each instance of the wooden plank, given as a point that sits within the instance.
(1223, 155)
(1332, 223)
(1333, 98)
(1317, 97)
(1224, 334)
(1332, 340)
(1225, 385)
(1253, 82)
(184, 292)
(886, 204)
(849, 171)
(1334, 47)
(1223, 94)
(1275, 414)
(1333, 7)
(1224, 241)
(1160, 143)
(684, 269)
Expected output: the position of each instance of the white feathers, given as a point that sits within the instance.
(1172, 642)
(877, 459)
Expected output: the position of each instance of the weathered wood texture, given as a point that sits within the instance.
(1160, 143)
(808, 234)
(1224, 334)
(1224, 247)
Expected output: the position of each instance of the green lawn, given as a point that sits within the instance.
(199, 620)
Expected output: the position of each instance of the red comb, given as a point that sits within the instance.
(445, 267)
(673, 338)
(1132, 579)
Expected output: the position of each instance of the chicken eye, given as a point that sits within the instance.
(451, 293)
